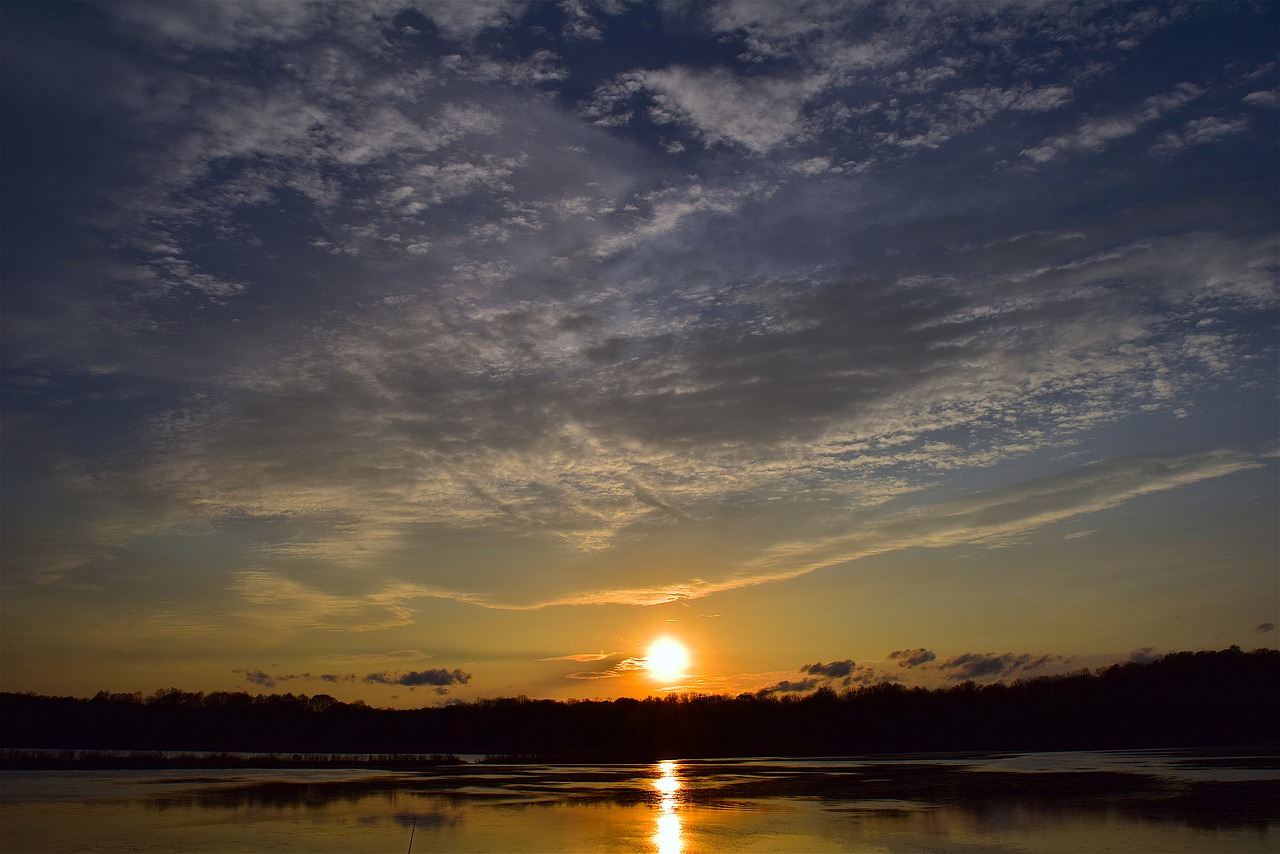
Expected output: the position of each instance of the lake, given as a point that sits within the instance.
(1165, 801)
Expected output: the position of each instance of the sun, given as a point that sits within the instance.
(667, 659)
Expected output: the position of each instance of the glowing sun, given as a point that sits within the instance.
(667, 659)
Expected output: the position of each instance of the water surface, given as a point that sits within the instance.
(1047, 802)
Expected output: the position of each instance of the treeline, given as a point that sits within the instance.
(1183, 699)
(45, 760)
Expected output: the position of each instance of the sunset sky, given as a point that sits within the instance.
(425, 352)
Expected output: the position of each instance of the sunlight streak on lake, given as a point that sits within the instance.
(667, 835)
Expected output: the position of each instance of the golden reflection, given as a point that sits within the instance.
(666, 837)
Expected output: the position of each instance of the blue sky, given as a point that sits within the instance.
(367, 347)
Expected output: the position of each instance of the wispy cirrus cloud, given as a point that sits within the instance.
(979, 518)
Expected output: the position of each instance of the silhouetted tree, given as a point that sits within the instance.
(1185, 698)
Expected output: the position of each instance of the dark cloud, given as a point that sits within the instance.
(867, 675)
(835, 675)
(974, 665)
(258, 677)
(834, 670)
(912, 657)
(789, 687)
(411, 679)
(270, 680)
(416, 678)
(1264, 628)
(1145, 655)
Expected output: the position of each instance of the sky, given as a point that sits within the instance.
(424, 352)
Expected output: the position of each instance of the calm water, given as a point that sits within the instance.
(1067, 802)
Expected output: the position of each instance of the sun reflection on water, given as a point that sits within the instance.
(666, 836)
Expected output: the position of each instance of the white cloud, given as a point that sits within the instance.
(669, 207)
(1264, 98)
(465, 21)
(224, 26)
(1098, 133)
(812, 166)
(1212, 129)
(759, 115)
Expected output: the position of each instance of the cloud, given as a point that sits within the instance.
(1098, 133)
(260, 678)
(973, 665)
(440, 677)
(465, 21)
(924, 670)
(270, 680)
(672, 208)
(1265, 628)
(417, 678)
(1145, 655)
(983, 517)
(563, 485)
(836, 675)
(833, 670)
(627, 665)
(274, 600)
(987, 517)
(581, 657)
(717, 107)
(912, 657)
(217, 26)
(693, 360)
(401, 655)
(1263, 98)
(789, 687)
(1201, 132)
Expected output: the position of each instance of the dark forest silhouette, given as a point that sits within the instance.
(1182, 699)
